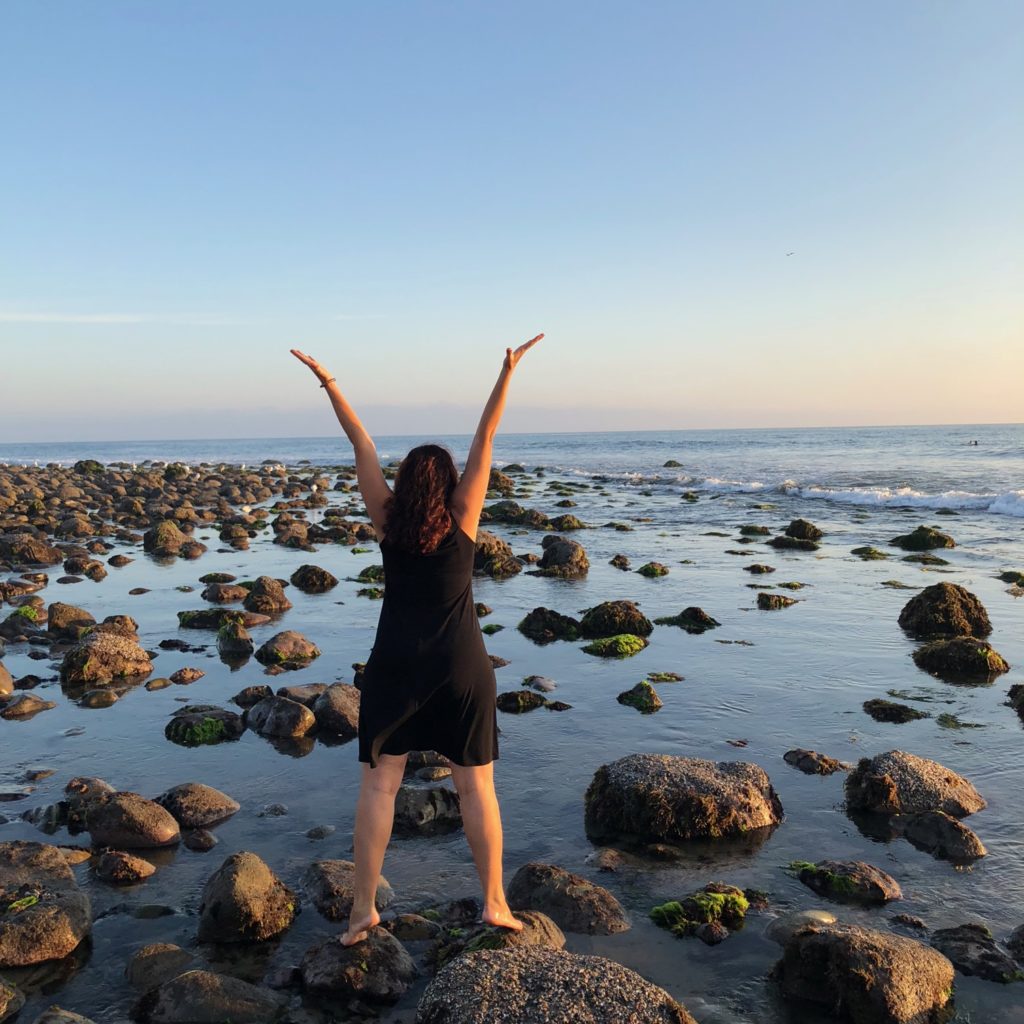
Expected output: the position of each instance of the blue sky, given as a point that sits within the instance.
(190, 189)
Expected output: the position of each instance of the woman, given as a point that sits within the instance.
(428, 683)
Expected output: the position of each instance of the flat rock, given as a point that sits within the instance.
(544, 986)
(850, 882)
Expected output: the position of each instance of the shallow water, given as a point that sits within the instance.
(801, 682)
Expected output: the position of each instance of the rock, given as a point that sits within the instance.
(653, 569)
(200, 840)
(46, 916)
(156, 963)
(412, 928)
(330, 885)
(201, 724)
(889, 711)
(303, 693)
(194, 805)
(184, 676)
(1015, 943)
(786, 543)
(900, 783)
(266, 597)
(973, 950)
(279, 716)
(693, 620)
(542, 626)
(493, 557)
(164, 539)
(623, 645)
(563, 558)
(55, 1015)
(801, 529)
(962, 659)
(377, 970)
(874, 977)
(251, 695)
(620, 561)
(942, 835)
(102, 698)
(233, 640)
(131, 821)
(11, 1000)
(215, 618)
(337, 710)
(665, 798)
(759, 569)
(571, 901)
(642, 697)
(224, 593)
(515, 702)
(538, 930)
(773, 602)
(848, 881)
(202, 997)
(945, 609)
(311, 579)
(27, 549)
(613, 617)
(244, 901)
(783, 928)
(708, 913)
(23, 705)
(121, 868)
(101, 657)
(924, 538)
(425, 810)
(540, 683)
(65, 621)
(810, 762)
(544, 986)
(869, 554)
(288, 649)
(6, 679)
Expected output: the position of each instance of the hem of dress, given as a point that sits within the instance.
(447, 757)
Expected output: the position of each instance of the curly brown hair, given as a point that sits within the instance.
(417, 515)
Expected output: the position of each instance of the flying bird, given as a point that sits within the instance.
(791, 253)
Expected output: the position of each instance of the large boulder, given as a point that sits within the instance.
(665, 798)
(802, 529)
(28, 549)
(45, 915)
(288, 649)
(924, 538)
(945, 609)
(867, 976)
(571, 901)
(544, 986)
(544, 625)
(900, 783)
(64, 621)
(961, 659)
(244, 901)
(101, 657)
(311, 579)
(493, 557)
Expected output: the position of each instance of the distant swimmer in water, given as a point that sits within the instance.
(974, 443)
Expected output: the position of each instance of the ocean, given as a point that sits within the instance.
(761, 684)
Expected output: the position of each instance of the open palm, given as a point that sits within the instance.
(513, 357)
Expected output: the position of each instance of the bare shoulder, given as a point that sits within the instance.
(459, 517)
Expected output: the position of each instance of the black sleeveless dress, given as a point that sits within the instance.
(428, 683)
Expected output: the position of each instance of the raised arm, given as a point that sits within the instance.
(468, 497)
(372, 485)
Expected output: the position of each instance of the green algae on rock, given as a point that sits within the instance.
(715, 904)
(963, 659)
(642, 697)
(652, 569)
(612, 618)
(889, 711)
(693, 620)
(622, 645)
(924, 538)
(848, 881)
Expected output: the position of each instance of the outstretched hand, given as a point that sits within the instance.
(513, 357)
(311, 363)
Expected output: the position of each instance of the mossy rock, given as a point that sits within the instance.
(925, 559)
(1012, 576)
(491, 628)
(203, 725)
(869, 554)
(543, 626)
(964, 659)
(751, 530)
(610, 618)
(924, 538)
(773, 602)
(623, 645)
(653, 569)
(714, 904)
(693, 620)
(642, 697)
(785, 543)
(665, 677)
(889, 711)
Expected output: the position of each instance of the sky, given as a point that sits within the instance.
(721, 214)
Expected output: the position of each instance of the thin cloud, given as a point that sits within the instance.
(183, 320)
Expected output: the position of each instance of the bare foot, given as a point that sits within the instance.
(359, 928)
(502, 919)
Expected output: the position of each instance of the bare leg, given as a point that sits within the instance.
(375, 816)
(481, 821)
